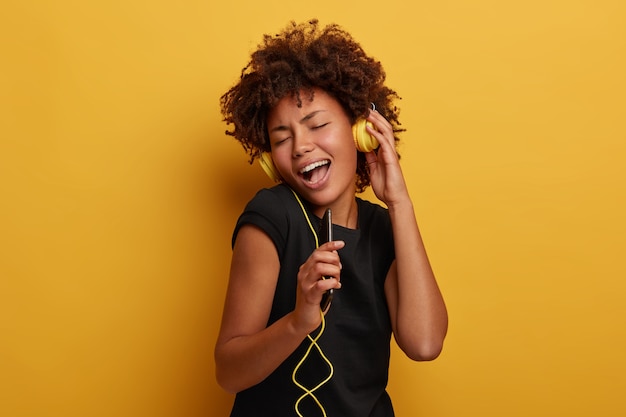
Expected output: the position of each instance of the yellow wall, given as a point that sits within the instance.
(119, 191)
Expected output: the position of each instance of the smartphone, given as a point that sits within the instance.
(326, 235)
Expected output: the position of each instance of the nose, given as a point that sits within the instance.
(302, 144)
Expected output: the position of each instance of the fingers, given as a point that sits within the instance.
(321, 271)
(323, 263)
(383, 130)
(386, 175)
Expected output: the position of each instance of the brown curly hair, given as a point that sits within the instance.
(300, 58)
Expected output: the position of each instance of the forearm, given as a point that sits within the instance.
(244, 361)
(421, 318)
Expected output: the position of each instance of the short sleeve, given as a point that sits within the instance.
(266, 211)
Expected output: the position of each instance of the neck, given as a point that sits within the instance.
(345, 211)
(345, 214)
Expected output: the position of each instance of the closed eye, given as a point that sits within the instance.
(281, 141)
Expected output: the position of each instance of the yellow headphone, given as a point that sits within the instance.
(362, 139)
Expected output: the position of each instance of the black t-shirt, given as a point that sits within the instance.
(356, 339)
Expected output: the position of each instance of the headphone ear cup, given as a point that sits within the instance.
(362, 139)
(266, 162)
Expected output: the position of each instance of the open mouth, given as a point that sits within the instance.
(314, 172)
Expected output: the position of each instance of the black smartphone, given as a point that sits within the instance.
(326, 235)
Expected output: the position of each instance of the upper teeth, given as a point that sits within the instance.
(312, 166)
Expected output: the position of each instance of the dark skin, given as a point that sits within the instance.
(319, 132)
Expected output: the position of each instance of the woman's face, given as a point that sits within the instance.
(313, 147)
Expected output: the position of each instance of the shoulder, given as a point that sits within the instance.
(270, 211)
(375, 226)
(373, 214)
(267, 197)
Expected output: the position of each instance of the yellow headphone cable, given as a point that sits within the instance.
(310, 392)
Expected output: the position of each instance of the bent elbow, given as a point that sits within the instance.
(423, 351)
(227, 384)
(224, 375)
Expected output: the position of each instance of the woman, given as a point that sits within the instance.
(295, 106)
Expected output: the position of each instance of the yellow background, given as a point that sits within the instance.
(119, 192)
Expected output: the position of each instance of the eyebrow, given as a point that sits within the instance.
(304, 119)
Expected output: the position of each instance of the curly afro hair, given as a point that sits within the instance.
(300, 58)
